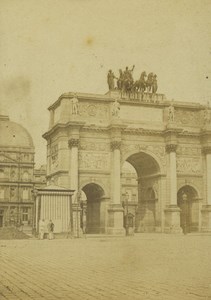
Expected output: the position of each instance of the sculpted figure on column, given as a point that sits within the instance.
(171, 113)
(116, 109)
(75, 105)
(207, 116)
(110, 80)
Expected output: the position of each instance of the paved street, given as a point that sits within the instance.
(147, 266)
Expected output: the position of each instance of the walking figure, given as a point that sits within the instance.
(42, 229)
(50, 230)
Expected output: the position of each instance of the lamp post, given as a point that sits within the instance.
(77, 210)
(35, 220)
(126, 216)
(185, 203)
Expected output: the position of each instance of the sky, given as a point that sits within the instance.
(50, 47)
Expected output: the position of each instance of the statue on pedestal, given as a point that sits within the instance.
(171, 114)
(154, 84)
(110, 80)
(115, 109)
(75, 105)
(120, 80)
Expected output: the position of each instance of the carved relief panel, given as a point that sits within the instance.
(189, 165)
(189, 117)
(54, 157)
(89, 160)
(94, 110)
(93, 146)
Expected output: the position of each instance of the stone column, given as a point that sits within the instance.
(115, 210)
(171, 149)
(206, 209)
(73, 165)
(172, 211)
(115, 147)
(73, 173)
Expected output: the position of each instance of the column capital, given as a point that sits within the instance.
(115, 145)
(171, 148)
(73, 142)
(206, 150)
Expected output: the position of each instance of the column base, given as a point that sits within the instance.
(76, 224)
(172, 219)
(206, 218)
(115, 220)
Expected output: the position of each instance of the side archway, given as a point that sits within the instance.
(95, 208)
(188, 202)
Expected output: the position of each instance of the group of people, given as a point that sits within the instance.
(126, 84)
(50, 229)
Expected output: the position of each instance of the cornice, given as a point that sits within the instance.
(142, 131)
(64, 126)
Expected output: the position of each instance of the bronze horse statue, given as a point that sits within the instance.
(149, 82)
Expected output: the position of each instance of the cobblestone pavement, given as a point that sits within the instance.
(147, 266)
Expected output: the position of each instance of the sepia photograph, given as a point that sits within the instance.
(105, 150)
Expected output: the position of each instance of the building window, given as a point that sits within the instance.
(1, 193)
(25, 214)
(25, 194)
(1, 173)
(26, 176)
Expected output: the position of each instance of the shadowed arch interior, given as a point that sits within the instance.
(187, 200)
(144, 164)
(95, 221)
(147, 214)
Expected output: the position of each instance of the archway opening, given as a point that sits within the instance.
(144, 202)
(95, 210)
(187, 200)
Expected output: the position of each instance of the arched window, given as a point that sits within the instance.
(25, 193)
(25, 176)
(2, 193)
(1, 173)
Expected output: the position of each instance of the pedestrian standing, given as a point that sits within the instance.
(50, 230)
(42, 229)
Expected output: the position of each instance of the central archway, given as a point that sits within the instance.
(147, 215)
(95, 212)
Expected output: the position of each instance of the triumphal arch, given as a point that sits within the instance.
(167, 142)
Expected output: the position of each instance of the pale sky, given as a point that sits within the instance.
(49, 47)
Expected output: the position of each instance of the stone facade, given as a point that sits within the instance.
(16, 174)
(168, 147)
(18, 178)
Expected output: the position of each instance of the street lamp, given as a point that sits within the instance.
(77, 212)
(185, 203)
(125, 205)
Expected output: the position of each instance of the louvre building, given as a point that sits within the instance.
(17, 175)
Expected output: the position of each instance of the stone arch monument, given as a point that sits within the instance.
(168, 144)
